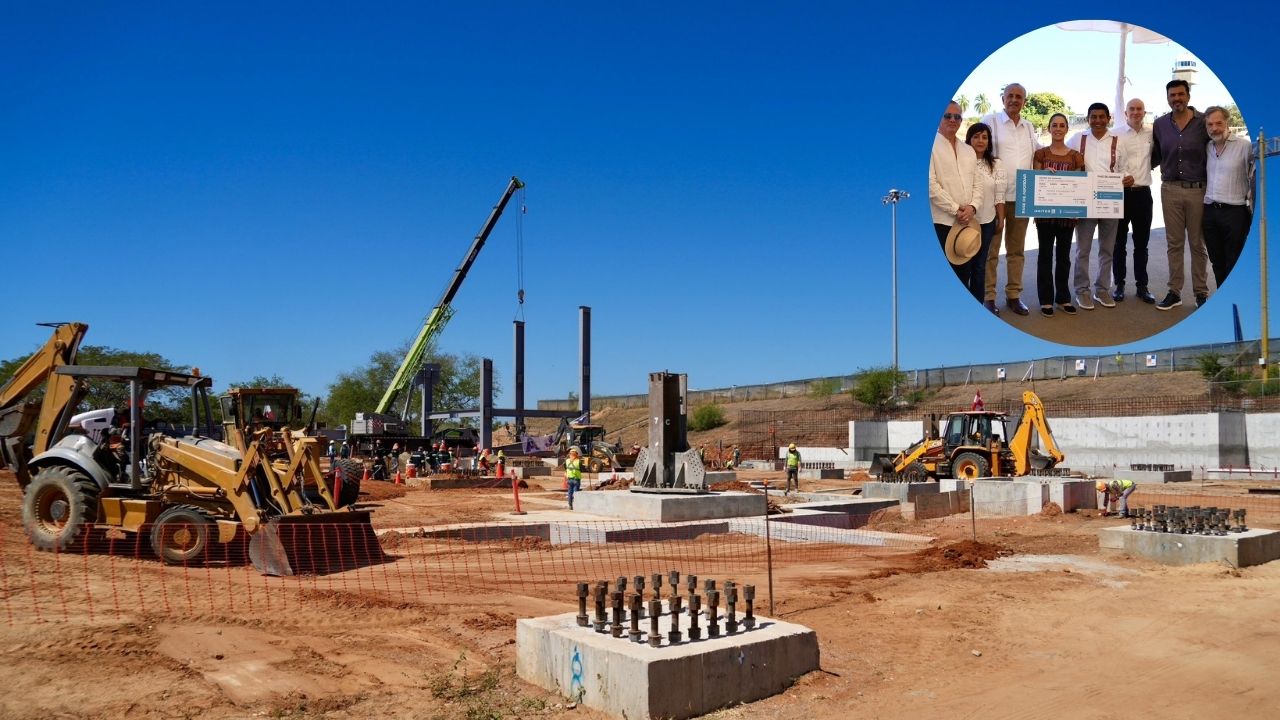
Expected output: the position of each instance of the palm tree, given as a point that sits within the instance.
(982, 104)
(963, 102)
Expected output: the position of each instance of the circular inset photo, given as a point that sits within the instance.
(1091, 183)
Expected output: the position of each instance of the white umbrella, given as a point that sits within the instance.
(1127, 31)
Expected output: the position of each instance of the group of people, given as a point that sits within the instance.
(1206, 185)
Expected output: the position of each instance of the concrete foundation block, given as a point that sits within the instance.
(1072, 495)
(719, 476)
(1154, 476)
(941, 504)
(1253, 547)
(900, 491)
(593, 533)
(950, 484)
(633, 680)
(530, 471)
(1009, 497)
(669, 508)
(823, 474)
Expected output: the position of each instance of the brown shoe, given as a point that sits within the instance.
(1016, 305)
(990, 305)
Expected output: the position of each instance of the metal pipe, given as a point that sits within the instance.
(749, 594)
(655, 609)
(731, 602)
(636, 601)
(583, 621)
(615, 629)
(695, 632)
(713, 614)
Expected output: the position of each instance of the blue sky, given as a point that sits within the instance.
(286, 190)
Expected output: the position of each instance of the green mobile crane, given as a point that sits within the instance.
(436, 320)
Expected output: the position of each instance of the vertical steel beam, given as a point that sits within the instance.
(584, 350)
(519, 343)
(486, 403)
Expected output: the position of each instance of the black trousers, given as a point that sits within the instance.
(1053, 263)
(1225, 229)
(1137, 210)
(973, 273)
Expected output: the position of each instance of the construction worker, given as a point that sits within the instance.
(737, 456)
(1116, 490)
(793, 468)
(573, 474)
(484, 461)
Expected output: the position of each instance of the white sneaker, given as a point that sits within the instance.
(1103, 300)
(1083, 301)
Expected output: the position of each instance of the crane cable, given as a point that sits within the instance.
(520, 256)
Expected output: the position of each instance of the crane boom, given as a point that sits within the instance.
(440, 314)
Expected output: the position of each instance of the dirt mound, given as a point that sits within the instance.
(530, 542)
(860, 476)
(615, 483)
(1051, 509)
(491, 621)
(737, 485)
(965, 554)
(391, 540)
(376, 490)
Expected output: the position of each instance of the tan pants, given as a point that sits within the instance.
(1183, 217)
(1015, 237)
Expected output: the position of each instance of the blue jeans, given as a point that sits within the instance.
(574, 486)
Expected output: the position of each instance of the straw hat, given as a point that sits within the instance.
(963, 242)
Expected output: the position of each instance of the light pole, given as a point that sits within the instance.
(892, 199)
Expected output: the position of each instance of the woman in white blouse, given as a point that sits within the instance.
(990, 177)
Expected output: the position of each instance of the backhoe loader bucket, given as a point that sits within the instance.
(882, 464)
(315, 544)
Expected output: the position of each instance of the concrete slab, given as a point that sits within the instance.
(1272, 474)
(596, 534)
(531, 471)
(719, 476)
(634, 680)
(900, 491)
(859, 506)
(1253, 547)
(810, 527)
(1155, 476)
(669, 508)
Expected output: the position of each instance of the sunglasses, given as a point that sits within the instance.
(952, 116)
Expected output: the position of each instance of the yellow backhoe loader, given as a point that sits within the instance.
(84, 472)
(977, 443)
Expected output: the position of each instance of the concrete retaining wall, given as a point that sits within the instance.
(867, 437)
(1263, 430)
(942, 504)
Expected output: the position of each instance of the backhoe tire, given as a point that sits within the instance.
(595, 465)
(58, 507)
(180, 536)
(968, 466)
(915, 473)
(352, 473)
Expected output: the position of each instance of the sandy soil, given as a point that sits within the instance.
(1049, 628)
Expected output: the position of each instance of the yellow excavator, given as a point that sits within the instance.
(83, 472)
(977, 443)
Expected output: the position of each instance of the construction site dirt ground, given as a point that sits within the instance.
(1051, 628)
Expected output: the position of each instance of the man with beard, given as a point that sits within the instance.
(1179, 144)
(1228, 193)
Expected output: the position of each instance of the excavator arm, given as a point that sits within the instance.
(1033, 420)
(18, 413)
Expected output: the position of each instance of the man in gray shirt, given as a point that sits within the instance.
(1227, 195)
(1179, 142)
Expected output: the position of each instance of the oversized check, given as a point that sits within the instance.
(1044, 194)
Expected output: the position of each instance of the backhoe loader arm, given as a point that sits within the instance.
(1033, 418)
(17, 412)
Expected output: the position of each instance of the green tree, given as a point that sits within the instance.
(982, 104)
(361, 389)
(1234, 118)
(707, 417)
(167, 404)
(874, 386)
(1041, 106)
(963, 102)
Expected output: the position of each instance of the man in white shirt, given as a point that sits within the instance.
(1013, 141)
(1102, 154)
(1135, 136)
(1228, 193)
(954, 193)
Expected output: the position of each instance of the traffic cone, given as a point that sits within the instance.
(399, 481)
(365, 479)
